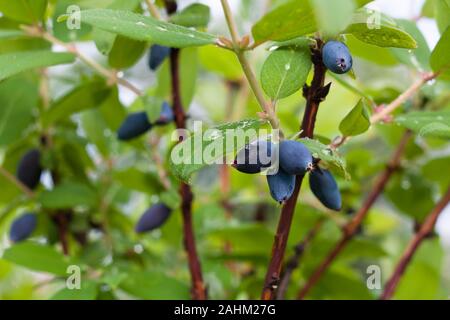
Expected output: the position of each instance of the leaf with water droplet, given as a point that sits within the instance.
(285, 71)
(427, 124)
(139, 27)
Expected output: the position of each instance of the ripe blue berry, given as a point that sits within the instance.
(22, 227)
(254, 157)
(153, 218)
(337, 57)
(325, 189)
(29, 169)
(166, 115)
(281, 185)
(295, 158)
(133, 126)
(157, 56)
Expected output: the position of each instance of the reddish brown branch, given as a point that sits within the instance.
(314, 95)
(294, 261)
(351, 227)
(198, 287)
(425, 230)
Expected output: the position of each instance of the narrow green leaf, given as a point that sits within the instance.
(88, 291)
(287, 21)
(427, 124)
(125, 52)
(195, 15)
(374, 28)
(328, 156)
(87, 96)
(442, 14)
(37, 257)
(13, 63)
(285, 71)
(357, 121)
(440, 58)
(11, 34)
(204, 148)
(143, 28)
(68, 195)
(223, 62)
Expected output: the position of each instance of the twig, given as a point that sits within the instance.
(108, 74)
(351, 227)
(425, 229)
(153, 9)
(198, 287)
(314, 94)
(390, 108)
(267, 106)
(294, 261)
(28, 192)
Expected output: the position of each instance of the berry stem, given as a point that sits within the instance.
(153, 9)
(351, 227)
(314, 95)
(198, 287)
(425, 229)
(27, 191)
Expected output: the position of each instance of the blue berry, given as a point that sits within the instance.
(281, 185)
(153, 218)
(325, 189)
(166, 115)
(157, 56)
(133, 126)
(337, 57)
(22, 227)
(254, 157)
(295, 158)
(29, 169)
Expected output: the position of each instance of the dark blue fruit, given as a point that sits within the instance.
(325, 189)
(337, 57)
(295, 158)
(153, 218)
(133, 126)
(166, 115)
(157, 56)
(29, 169)
(254, 157)
(281, 185)
(22, 227)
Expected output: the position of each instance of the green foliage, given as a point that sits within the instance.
(357, 121)
(427, 124)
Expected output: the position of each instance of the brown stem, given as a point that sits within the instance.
(351, 227)
(294, 261)
(314, 95)
(198, 287)
(425, 230)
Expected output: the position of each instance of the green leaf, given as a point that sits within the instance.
(285, 71)
(125, 52)
(357, 121)
(88, 291)
(60, 27)
(37, 257)
(28, 11)
(328, 156)
(195, 15)
(16, 108)
(442, 14)
(163, 287)
(86, 96)
(189, 156)
(143, 28)
(152, 105)
(290, 20)
(440, 59)
(333, 16)
(137, 180)
(223, 62)
(427, 124)
(13, 63)
(373, 28)
(68, 195)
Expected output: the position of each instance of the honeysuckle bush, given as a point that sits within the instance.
(67, 91)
